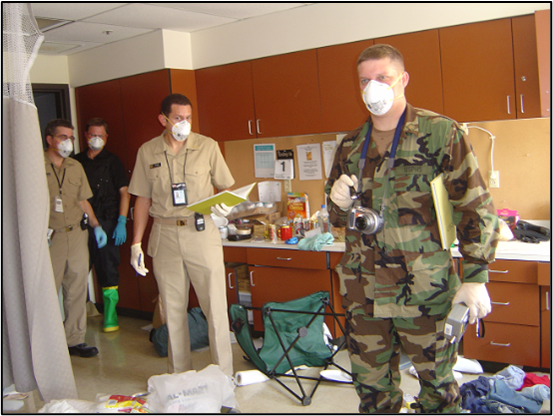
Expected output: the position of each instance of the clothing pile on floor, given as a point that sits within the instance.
(511, 390)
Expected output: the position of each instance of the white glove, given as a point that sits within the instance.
(221, 210)
(340, 192)
(477, 299)
(137, 259)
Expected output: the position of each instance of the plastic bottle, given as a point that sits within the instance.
(323, 219)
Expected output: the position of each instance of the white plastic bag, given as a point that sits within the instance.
(205, 391)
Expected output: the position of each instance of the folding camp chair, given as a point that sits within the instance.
(293, 336)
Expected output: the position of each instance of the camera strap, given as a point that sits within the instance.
(391, 160)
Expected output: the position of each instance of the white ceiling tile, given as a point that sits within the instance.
(154, 17)
(231, 9)
(71, 11)
(55, 48)
(91, 32)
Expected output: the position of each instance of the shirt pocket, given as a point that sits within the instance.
(72, 188)
(160, 182)
(414, 199)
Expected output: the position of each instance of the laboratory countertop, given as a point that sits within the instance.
(506, 250)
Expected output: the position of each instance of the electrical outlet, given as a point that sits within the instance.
(493, 178)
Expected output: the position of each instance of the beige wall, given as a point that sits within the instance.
(521, 154)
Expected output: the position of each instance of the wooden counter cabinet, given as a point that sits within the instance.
(278, 275)
(513, 327)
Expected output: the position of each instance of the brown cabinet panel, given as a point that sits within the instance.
(342, 107)
(504, 343)
(477, 71)
(526, 67)
(516, 271)
(544, 274)
(545, 302)
(286, 94)
(277, 284)
(184, 82)
(421, 54)
(225, 102)
(235, 254)
(543, 42)
(287, 258)
(514, 303)
(141, 97)
(102, 100)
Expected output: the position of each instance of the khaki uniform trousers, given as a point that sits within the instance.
(183, 255)
(69, 255)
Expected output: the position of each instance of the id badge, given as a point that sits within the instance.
(179, 194)
(58, 204)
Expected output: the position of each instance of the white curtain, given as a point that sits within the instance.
(34, 349)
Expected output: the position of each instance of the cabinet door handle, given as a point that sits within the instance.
(498, 271)
(230, 282)
(257, 125)
(284, 258)
(501, 303)
(251, 279)
(546, 301)
(521, 104)
(508, 104)
(250, 127)
(500, 345)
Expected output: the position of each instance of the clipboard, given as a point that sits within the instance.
(229, 198)
(444, 212)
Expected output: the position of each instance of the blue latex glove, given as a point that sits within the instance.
(101, 237)
(120, 233)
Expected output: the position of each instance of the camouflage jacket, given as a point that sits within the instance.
(402, 270)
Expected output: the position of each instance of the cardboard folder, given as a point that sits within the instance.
(444, 212)
(229, 198)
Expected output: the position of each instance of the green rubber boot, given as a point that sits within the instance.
(111, 297)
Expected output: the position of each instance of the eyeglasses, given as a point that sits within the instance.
(64, 137)
(101, 136)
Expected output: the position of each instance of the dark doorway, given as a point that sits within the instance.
(52, 101)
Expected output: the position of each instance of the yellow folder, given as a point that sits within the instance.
(229, 198)
(444, 212)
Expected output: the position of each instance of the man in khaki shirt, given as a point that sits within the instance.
(69, 191)
(174, 170)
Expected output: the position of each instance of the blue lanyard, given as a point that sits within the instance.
(397, 133)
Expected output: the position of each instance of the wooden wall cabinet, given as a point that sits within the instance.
(490, 71)
(493, 70)
(268, 97)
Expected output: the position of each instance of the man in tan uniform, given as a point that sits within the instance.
(174, 170)
(69, 192)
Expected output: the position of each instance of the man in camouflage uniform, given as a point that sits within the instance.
(398, 285)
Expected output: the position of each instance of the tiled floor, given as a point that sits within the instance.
(127, 359)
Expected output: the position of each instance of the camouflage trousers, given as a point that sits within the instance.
(374, 348)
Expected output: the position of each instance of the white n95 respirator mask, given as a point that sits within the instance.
(181, 130)
(96, 143)
(65, 148)
(379, 97)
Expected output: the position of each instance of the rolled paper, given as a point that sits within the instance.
(243, 378)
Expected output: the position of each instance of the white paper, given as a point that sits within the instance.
(328, 156)
(264, 160)
(284, 169)
(269, 191)
(309, 161)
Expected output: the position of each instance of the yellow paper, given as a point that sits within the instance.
(444, 212)
(229, 198)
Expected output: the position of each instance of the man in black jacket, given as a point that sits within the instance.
(110, 201)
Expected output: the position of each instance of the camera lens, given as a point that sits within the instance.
(361, 223)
